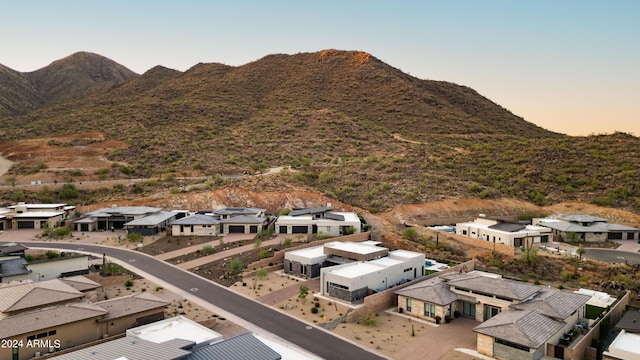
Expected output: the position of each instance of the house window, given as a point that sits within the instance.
(409, 304)
(469, 309)
(328, 229)
(490, 311)
(429, 310)
(464, 232)
(630, 236)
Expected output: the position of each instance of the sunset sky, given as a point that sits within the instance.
(568, 66)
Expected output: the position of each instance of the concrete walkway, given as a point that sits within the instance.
(223, 254)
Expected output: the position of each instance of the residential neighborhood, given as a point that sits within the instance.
(508, 318)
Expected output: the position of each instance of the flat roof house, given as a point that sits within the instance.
(500, 232)
(114, 217)
(353, 281)
(307, 262)
(318, 219)
(586, 228)
(36, 216)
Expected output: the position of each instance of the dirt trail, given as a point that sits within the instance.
(5, 165)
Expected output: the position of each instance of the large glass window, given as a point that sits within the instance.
(408, 304)
(490, 311)
(429, 310)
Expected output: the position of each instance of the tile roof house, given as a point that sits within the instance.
(517, 319)
(151, 224)
(586, 228)
(23, 296)
(196, 225)
(129, 311)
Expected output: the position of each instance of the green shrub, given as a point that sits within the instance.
(51, 254)
(235, 266)
(207, 250)
(314, 310)
(410, 234)
(134, 237)
(128, 283)
(264, 254)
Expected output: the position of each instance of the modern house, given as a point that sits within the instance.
(151, 224)
(196, 225)
(35, 216)
(308, 262)
(18, 268)
(243, 224)
(518, 320)
(626, 345)
(318, 219)
(353, 281)
(586, 228)
(231, 212)
(113, 218)
(500, 232)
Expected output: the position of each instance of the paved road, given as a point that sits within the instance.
(612, 256)
(299, 333)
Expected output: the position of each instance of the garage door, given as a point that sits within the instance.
(236, 229)
(26, 225)
(299, 229)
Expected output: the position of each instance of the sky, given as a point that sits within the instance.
(568, 66)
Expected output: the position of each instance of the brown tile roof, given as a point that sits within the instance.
(80, 283)
(34, 321)
(527, 328)
(131, 304)
(434, 290)
(554, 303)
(22, 296)
(509, 289)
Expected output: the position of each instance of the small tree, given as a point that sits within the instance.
(580, 252)
(11, 180)
(134, 237)
(302, 295)
(410, 233)
(235, 266)
(257, 244)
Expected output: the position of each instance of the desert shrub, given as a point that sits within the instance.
(410, 234)
(235, 266)
(51, 254)
(207, 250)
(314, 310)
(134, 237)
(113, 269)
(264, 254)
(128, 283)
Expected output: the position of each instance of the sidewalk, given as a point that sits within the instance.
(223, 254)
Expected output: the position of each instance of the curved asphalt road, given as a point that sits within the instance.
(612, 256)
(313, 340)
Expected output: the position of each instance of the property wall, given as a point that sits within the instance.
(501, 248)
(120, 325)
(355, 256)
(387, 298)
(42, 271)
(578, 348)
(68, 335)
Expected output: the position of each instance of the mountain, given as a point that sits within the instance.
(352, 127)
(77, 75)
(17, 94)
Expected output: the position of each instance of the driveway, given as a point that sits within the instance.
(612, 256)
(311, 338)
(435, 342)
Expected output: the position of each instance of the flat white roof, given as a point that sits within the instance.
(38, 206)
(348, 216)
(311, 252)
(39, 214)
(598, 298)
(358, 248)
(627, 343)
(386, 261)
(356, 269)
(405, 254)
(177, 327)
(525, 231)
